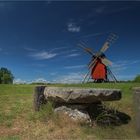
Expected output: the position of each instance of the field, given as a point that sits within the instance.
(19, 121)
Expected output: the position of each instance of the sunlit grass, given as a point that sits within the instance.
(19, 121)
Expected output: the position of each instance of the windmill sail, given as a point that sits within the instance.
(105, 47)
(86, 49)
(98, 66)
(106, 62)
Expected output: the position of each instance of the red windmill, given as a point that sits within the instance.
(98, 66)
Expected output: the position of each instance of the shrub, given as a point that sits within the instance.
(137, 79)
(6, 77)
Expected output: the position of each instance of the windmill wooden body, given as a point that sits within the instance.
(99, 65)
(99, 71)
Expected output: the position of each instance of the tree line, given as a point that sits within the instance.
(137, 79)
(6, 77)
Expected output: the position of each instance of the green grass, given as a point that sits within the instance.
(19, 121)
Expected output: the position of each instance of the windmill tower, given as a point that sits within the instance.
(98, 67)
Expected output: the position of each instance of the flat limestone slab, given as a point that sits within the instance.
(80, 95)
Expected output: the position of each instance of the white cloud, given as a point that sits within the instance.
(123, 65)
(73, 27)
(120, 68)
(53, 73)
(73, 55)
(40, 80)
(69, 78)
(19, 81)
(75, 67)
(74, 50)
(43, 55)
(117, 67)
(65, 51)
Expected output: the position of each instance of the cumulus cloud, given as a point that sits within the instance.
(69, 78)
(40, 80)
(19, 81)
(43, 55)
(73, 27)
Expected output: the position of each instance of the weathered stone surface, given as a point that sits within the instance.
(80, 95)
(136, 92)
(75, 114)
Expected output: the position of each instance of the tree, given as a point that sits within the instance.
(137, 79)
(6, 77)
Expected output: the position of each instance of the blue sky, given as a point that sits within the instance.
(38, 40)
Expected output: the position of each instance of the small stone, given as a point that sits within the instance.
(75, 114)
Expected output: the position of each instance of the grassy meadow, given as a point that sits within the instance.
(18, 121)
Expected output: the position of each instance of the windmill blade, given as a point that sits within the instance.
(106, 61)
(96, 56)
(105, 47)
(93, 63)
(88, 73)
(111, 74)
(86, 49)
(110, 40)
(84, 44)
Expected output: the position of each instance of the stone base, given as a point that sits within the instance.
(75, 114)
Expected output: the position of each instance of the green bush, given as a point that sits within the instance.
(6, 77)
(137, 79)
